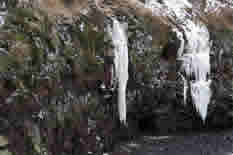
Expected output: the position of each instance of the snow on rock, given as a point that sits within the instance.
(215, 5)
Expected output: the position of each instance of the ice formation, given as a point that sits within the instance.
(2, 13)
(1, 20)
(196, 62)
(194, 55)
(119, 38)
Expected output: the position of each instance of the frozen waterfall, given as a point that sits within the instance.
(194, 55)
(119, 38)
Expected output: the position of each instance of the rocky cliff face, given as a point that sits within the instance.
(52, 70)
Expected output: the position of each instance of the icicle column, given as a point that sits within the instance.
(2, 13)
(1, 20)
(119, 38)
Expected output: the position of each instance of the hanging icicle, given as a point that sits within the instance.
(2, 13)
(1, 21)
(185, 89)
(201, 93)
(119, 38)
